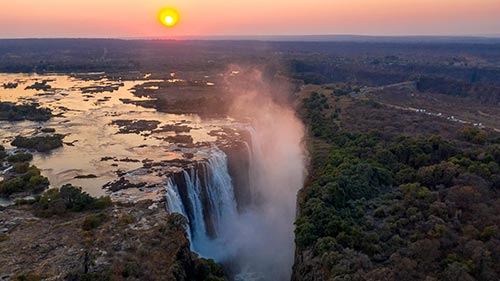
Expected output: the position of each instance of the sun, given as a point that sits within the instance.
(169, 17)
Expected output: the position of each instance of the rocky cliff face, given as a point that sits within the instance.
(307, 267)
(238, 163)
(139, 242)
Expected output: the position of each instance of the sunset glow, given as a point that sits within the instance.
(92, 18)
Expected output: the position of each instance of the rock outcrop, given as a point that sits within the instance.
(59, 248)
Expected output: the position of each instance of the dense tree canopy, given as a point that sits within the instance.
(403, 208)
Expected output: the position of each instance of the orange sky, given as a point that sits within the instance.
(137, 18)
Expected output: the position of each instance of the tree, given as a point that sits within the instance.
(442, 173)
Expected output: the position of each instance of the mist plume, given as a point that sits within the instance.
(261, 238)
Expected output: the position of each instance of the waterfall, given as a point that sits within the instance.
(255, 168)
(196, 219)
(174, 203)
(208, 202)
(220, 190)
(255, 242)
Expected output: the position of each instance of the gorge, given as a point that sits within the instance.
(241, 211)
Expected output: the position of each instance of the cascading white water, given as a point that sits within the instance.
(255, 166)
(220, 190)
(174, 202)
(197, 222)
(267, 222)
(221, 202)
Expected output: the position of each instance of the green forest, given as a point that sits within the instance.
(381, 205)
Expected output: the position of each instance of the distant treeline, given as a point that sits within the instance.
(369, 63)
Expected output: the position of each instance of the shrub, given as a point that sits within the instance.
(208, 269)
(325, 244)
(30, 181)
(41, 144)
(132, 269)
(31, 172)
(28, 277)
(17, 112)
(4, 237)
(90, 276)
(305, 233)
(379, 212)
(3, 154)
(68, 198)
(74, 198)
(20, 157)
(37, 183)
(127, 219)
(406, 175)
(48, 130)
(50, 204)
(474, 135)
(24, 201)
(488, 232)
(93, 221)
(12, 186)
(177, 221)
(21, 167)
(442, 173)
(102, 202)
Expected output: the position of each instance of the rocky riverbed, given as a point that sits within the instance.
(112, 140)
(112, 144)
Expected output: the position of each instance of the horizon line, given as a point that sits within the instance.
(311, 38)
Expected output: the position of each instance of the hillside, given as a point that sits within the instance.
(395, 194)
